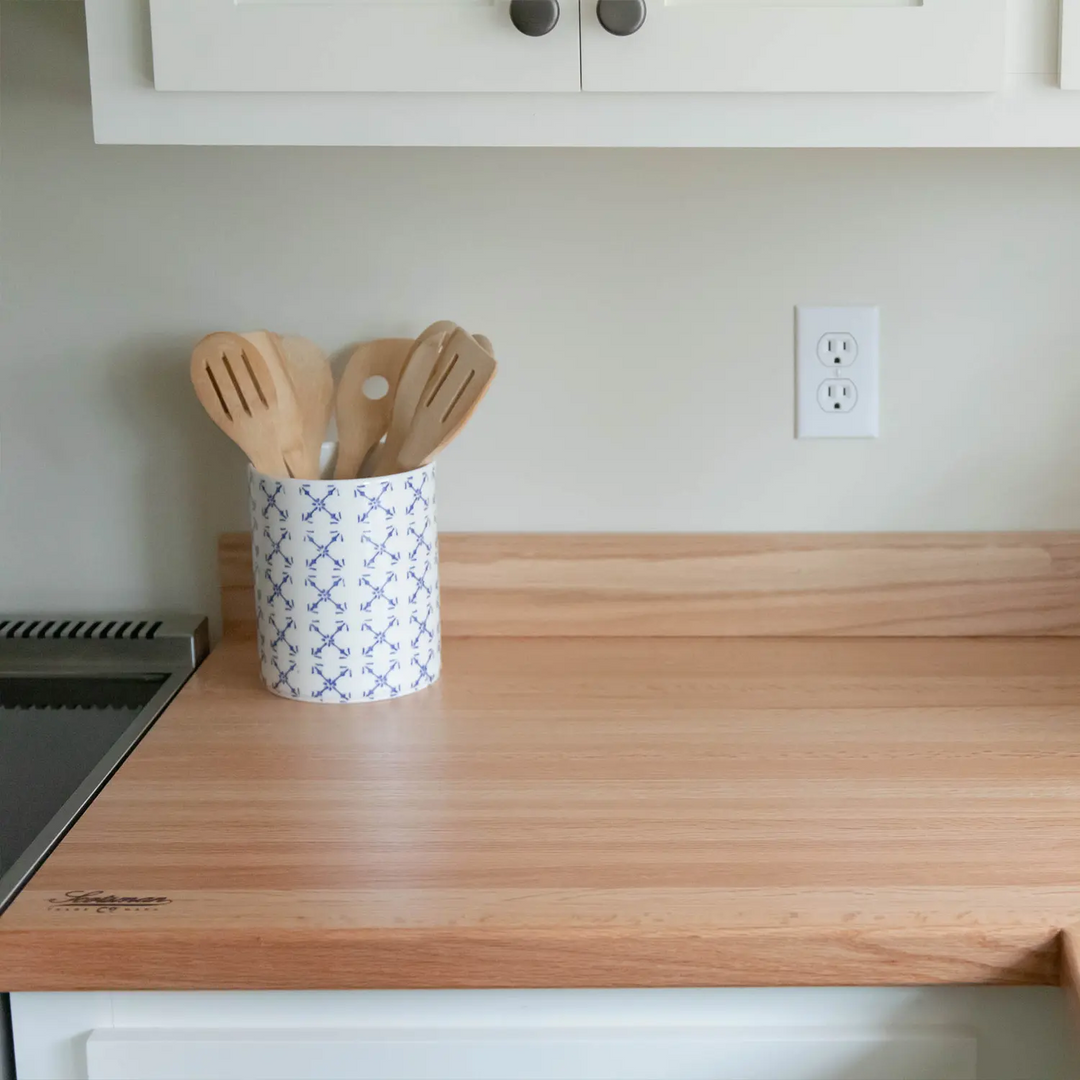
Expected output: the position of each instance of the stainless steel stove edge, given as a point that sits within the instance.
(96, 644)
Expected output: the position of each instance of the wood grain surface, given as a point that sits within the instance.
(603, 812)
(865, 585)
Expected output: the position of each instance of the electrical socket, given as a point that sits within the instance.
(827, 406)
(838, 350)
(838, 395)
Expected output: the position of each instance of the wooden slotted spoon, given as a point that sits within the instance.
(234, 383)
(290, 416)
(463, 374)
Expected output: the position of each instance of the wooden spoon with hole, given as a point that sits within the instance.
(234, 384)
(362, 420)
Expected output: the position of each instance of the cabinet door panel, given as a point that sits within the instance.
(812, 45)
(1070, 44)
(358, 45)
(498, 1054)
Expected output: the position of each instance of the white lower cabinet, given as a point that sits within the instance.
(689, 1053)
(941, 1033)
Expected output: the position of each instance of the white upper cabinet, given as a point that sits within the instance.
(796, 45)
(365, 45)
(762, 73)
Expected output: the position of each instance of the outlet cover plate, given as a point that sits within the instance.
(812, 324)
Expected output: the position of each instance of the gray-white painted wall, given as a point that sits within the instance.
(640, 302)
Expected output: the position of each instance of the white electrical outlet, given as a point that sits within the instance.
(838, 350)
(837, 395)
(836, 372)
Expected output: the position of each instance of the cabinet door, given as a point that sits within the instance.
(818, 45)
(1070, 44)
(350, 45)
(583, 1054)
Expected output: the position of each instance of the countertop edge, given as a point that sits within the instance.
(323, 959)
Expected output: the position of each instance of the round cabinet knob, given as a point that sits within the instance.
(534, 17)
(621, 17)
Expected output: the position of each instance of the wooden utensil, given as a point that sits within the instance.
(466, 370)
(446, 329)
(362, 420)
(415, 375)
(290, 419)
(313, 383)
(234, 383)
(441, 326)
(444, 359)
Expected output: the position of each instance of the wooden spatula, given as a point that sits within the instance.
(235, 385)
(313, 382)
(484, 343)
(417, 372)
(361, 420)
(290, 418)
(465, 372)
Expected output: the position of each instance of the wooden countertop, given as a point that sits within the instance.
(587, 812)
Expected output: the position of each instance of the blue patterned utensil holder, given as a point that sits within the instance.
(346, 585)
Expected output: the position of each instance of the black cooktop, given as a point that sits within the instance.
(75, 698)
(52, 733)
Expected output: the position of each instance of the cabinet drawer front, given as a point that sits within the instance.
(754, 45)
(358, 45)
(498, 1054)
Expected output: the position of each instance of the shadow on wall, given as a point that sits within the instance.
(1005, 1037)
(192, 482)
(191, 476)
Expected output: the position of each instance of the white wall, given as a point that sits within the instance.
(640, 301)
